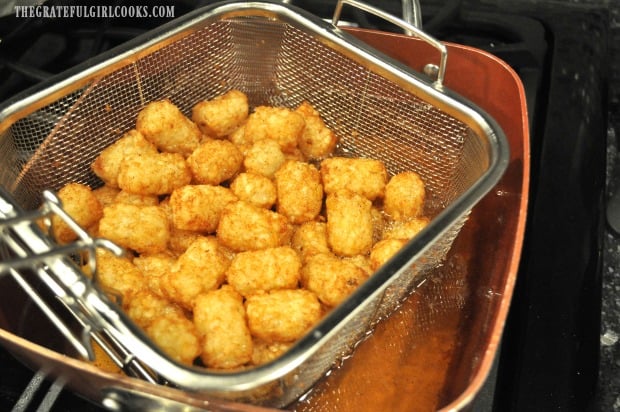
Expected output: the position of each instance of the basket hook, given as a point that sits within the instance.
(408, 28)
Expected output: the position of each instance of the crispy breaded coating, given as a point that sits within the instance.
(177, 336)
(264, 157)
(215, 161)
(181, 239)
(264, 352)
(166, 324)
(164, 125)
(349, 223)
(295, 155)
(201, 268)
(222, 115)
(220, 318)
(361, 261)
(239, 139)
(282, 315)
(136, 199)
(405, 229)
(153, 173)
(310, 238)
(300, 192)
(155, 267)
(254, 188)
(404, 196)
(82, 205)
(379, 223)
(145, 306)
(143, 229)
(118, 275)
(275, 123)
(383, 250)
(332, 279)
(244, 226)
(317, 140)
(107, 165)
(106, 194)
(199, 207)
(366, 177)
(264, 270)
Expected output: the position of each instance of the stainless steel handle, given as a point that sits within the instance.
(23, 245)
(415, 31)
(412, 14)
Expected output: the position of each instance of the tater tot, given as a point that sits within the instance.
(82, 205)
(404, 196)
(215, 161)
(107, 165)
(143, 229)
(177, 336)
(164, 125)
(275, 123)
(317, 140)
(366, 177)
(349, 223)
(264, 352)
(264, 158)
(264, 270)
(199, 207)
(244, 226)
(155, 267)
(106, 194)
(136, 199)
(361, 261)
(222, 115)
(254, 188)
(181, 239)
(405, 229)
(145, 306)
(310, 238)
(220, 318)
(299, 189)
(118, 275)
(383, 250)
(166, 324)
(282, 315)
(201, 268)
(153, 173)
(239, 139)
(331, 278)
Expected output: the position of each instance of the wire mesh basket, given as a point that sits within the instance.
(280, 56)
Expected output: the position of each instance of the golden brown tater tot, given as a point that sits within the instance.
(163, 124)
(349, 223)
(282, 315)
(404, 196)
(82, 205)
(299, 189)
(222, 115)
(220, 317)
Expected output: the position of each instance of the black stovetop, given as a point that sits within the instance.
(550, 349)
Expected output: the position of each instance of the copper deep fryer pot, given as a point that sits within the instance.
(487, 251)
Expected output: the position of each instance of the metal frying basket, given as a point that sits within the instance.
(279, 56)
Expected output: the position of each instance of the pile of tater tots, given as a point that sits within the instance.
(242, 228)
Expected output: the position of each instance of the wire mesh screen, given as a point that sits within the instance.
(274, 64)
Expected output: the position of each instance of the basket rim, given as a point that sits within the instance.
(195, 378)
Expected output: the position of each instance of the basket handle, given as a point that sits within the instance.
(430, 69)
